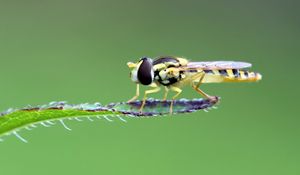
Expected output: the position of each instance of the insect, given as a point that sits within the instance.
(174, 72)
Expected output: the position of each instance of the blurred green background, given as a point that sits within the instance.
(77, 51)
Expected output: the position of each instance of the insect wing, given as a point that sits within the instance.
(217, 65)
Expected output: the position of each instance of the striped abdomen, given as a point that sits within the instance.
(230, 75)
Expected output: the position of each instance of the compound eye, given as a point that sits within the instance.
(145, 72)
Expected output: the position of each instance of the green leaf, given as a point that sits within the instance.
(12, 121)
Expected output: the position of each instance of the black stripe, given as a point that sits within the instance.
(235, 73)
(180, 74)
(223, 72)
(156, 74)
(164, 60)
(171, 81)
(209, 71)
(170, 66)
(246, 74)
(193, 70)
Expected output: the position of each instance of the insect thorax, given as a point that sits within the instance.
(166, 70)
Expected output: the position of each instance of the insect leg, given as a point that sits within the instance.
(136, 94)
(155, 89)
(178, 92)
(196, 87)
(166, 93)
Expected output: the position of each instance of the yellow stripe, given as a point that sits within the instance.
(159, 66)
(251, 75)
(230, 73)
(216, 72)
(258, 76)
(242, 75)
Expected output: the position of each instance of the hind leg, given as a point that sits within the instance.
(196, 86)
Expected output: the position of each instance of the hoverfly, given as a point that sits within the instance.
(175, 72)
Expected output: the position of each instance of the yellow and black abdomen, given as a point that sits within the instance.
(230, 75)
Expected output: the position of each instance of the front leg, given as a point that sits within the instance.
(155, 89)
(137, 94)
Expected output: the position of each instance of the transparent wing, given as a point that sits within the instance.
(217, 65)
